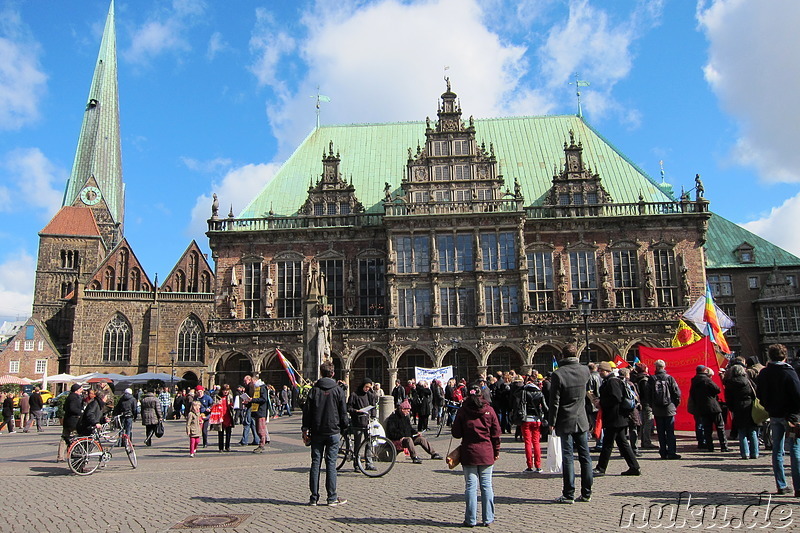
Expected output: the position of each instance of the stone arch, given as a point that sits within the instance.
(504, 358)
(272, 372)
(190, 379)
(414, 356)
(543, 357)
(231, 368)
(370, 363)
(464, 362)
(598, 351)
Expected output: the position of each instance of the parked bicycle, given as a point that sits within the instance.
(375, 455)
(86, 454)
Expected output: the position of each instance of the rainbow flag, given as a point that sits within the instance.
(290, 371)
(714, 331)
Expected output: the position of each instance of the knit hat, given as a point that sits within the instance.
(405, 404)
(605, 366)
(199, 387)
(701, 369)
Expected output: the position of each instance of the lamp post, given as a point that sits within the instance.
(585, 309)
(172, 355)
(454, 341)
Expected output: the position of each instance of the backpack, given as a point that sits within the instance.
(519, 407)
(661, 393)
(628, 403)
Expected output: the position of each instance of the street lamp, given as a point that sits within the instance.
(585, 309)
(172, 355)
(454, 341)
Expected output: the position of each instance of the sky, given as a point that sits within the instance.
(214, 96)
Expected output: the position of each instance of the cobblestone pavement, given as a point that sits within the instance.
(272, 489)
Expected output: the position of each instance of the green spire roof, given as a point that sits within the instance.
(724, 237)
(99, 151)
(527, 148)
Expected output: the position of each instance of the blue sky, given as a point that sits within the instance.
(215, 95)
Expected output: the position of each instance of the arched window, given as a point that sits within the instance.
(117, 340)
(108, 279)
(136, 279)
(180, 281)
(66, 289)
(192, 285)
(190, 341)
(205, 282)
(123, 270)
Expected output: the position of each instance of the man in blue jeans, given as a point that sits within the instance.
(567, 417)
(324, 419)
(779, 392)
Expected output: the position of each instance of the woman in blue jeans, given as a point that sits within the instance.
(477, 426)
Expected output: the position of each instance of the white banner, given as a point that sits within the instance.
(429, 374)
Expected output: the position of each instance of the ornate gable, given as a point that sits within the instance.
(191, 273)
(331, 195)
(576, 185)
(120, 271)
(92, 198)
(452, 166)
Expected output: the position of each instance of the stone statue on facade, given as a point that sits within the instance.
(215, 207)
(698, 186)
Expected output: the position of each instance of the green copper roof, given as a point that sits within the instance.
(527, 148)
(99, 151)
(724, 237)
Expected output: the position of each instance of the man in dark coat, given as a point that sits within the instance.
(779, 391)
(92, 417)
(399, 431)
(126, 409)
(36, 404)
(568, 419)
(73, 408)
(615, 422)
(665, 406)
(398, 393)
(706, 410)
(641, 379)
(359, 399)
(324, 419)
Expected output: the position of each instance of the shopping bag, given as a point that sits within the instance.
(552, 464)
(160, 429)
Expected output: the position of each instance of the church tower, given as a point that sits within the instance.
(89, 223)
(96, 178)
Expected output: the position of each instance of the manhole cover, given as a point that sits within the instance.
(211, 520)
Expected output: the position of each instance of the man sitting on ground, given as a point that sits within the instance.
(399, 431)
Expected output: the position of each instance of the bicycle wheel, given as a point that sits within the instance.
(345, 451)
(376, 456)
(84, 456)
(130, 451)
(442, 424)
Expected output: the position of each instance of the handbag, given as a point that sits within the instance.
(160, 429)
(757, 411)
(454, 457)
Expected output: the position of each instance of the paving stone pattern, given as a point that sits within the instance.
(169, 486)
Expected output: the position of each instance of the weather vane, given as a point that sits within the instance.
(578, 84)
(320, 98)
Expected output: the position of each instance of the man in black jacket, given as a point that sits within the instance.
(399, 431)
(36, 404)
(126, 408)
(779, 392)
(615, 422)
(73, 408)
(359, 399)
(706, 410)
(568, 419)
(324, 418)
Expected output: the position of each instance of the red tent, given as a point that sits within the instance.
(682, 365)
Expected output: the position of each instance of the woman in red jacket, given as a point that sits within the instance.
(222, 416)
(477, 426)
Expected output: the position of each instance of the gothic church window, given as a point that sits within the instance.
(180, 281)
(70, 259)
(109, 279)
(205, 282)
(190, 341)
(117, 340)
(136, 280)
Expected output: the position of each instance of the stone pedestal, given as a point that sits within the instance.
(385, 408)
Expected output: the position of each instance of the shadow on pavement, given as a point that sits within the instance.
(48, 471)
(381, 521)
(245, 501)
(668, 497)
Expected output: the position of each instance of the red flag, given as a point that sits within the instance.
(620, 362)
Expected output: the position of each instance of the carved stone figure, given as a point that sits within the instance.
(698, 186)
(215, 207)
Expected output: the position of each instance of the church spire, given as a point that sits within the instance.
(97, 170)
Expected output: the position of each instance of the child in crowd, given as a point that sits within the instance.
(194, 427)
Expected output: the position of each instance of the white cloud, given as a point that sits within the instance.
(401, 79)
(17, 273)
(206, 166)
(22, 82)
(237, 188)
(216, 44)
(780, 226)
(165, 31)
(753, 69)
(591, 44)
(29, 182)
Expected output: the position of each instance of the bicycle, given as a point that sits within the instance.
(375, 455)
(86, 454)
(450, 408)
